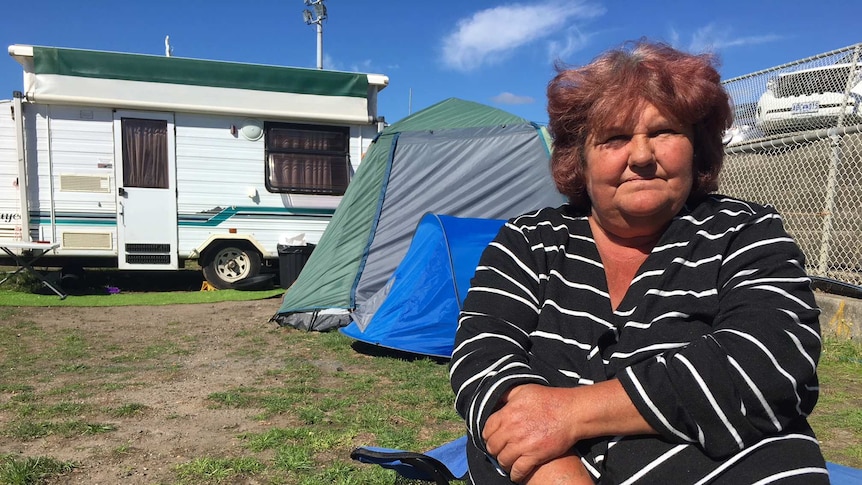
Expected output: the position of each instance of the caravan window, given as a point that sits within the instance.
(145, 153)
(308, 159)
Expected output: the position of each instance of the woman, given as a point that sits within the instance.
(647, 331)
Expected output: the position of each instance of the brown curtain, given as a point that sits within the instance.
(308, 160)
(306, 172)
(145, 153)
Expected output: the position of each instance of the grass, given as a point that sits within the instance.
(837, 419)
(17, 298)
(217, 470)
(312, 401)
(325, 405)
(126, 410)
(135, 288)
(27, 471)
(30, 430)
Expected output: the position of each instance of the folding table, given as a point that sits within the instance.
(30, 252)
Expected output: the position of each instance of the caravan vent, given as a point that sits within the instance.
(85, 183)
(87, 240)
(148, 259)
(148, 248)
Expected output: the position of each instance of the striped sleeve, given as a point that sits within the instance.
(492, 340)
(754, 374)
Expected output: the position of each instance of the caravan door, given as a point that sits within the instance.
(145, 158)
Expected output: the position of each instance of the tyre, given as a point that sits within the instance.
(71, 277)
(231, 264)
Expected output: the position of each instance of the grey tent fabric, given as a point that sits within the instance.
(487, 172)
(317, 320)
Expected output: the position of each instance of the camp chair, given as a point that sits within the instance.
(449, 462)
(440, 465)
(843, 475)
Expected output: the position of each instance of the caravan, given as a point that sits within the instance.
(142, 162)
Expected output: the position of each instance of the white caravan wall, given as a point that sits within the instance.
(9, 202)
(217, 170)
(80, 171)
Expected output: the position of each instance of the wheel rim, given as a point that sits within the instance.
(232, 264)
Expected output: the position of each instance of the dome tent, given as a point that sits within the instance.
(456, 157)
(417, 309)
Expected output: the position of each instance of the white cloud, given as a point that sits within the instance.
(674, 37)
(329, 63)
(509, 98)
(491, 35)
(574, 41)
(363, 66)
(712, 39)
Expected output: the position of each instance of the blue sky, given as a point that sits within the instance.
(490, 51)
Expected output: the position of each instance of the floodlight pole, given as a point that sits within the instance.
(317, 19)
(319, 46)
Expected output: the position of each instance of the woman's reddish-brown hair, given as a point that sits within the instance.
(613, 87)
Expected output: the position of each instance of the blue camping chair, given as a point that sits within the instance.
(449, 462)
(440, 465)
(843, 475)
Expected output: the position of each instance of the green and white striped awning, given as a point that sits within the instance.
(138, 81)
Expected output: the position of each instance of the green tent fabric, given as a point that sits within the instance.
(456, 157)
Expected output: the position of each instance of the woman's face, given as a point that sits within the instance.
(639, 177)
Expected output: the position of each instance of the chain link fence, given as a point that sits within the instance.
(796, 144)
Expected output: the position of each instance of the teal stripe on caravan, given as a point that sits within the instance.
(203, 220)
(197, 72)
(207, 220)
(74, 222)
(74, 218)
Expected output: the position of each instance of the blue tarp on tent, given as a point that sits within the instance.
(417, 310)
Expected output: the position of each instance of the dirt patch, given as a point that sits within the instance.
(180, 355)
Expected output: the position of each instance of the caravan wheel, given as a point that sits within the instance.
(230, 265)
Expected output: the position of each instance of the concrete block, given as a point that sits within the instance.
(840, 316)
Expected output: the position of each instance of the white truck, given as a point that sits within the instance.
(143, 162)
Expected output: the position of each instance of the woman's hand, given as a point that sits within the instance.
(534, 425)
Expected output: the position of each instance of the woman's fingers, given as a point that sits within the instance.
(521, 469)
(518, 465)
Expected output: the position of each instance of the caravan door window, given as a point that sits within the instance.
(145, 153)
(307, 159)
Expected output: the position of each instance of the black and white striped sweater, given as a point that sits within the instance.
(716, 342)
